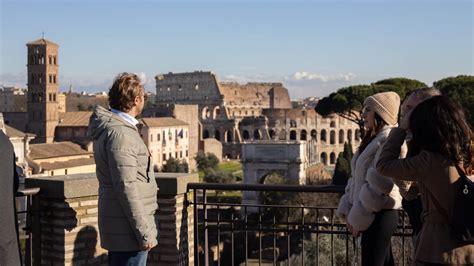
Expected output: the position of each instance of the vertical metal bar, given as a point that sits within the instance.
(218, 236)
(206, 236)
(317, 236)
(232, 236)
(29, 228)
(288, 235)
(196, 229)
(302, 236)
(36, 231)
(274, 240)
(347, 247)
(246, 235)
(332, 237)
(403, 238)
(260, 235)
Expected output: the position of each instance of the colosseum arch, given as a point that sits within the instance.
(205, 113)
(205, 134)
(303, 134)
(314, 135)
(257, 134)
(332, 137)
(332, 158)
(341, 136)
(271, 133)
(217, 134)
(228, 136)
(245, 134)
(293, 135)
(349, 135)
(216, 112)
(324, 158)
(323, 136)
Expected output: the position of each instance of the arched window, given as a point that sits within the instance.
(205, 134)
(257, 134)
(314, 135)
(349, 135)
(245, 134)
(228, 136)
(357, 135)
(333, 137)
(341, 136)
(216, 112)
(323, 136)
(332, 158)
(293, 135)
(217, 134)
(271, 132)
(303, 135)
(324, 158)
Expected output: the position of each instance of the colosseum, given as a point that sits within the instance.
(234, 114)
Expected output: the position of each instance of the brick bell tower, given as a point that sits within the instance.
(42, 89)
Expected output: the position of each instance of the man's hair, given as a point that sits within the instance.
(424, 93)
(124, 90)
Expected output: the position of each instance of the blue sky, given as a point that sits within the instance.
(313, 47)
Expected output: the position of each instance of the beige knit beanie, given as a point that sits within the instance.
(386, 105)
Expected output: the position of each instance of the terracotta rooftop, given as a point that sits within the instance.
(15, 133)
(74, 119)
(163, 122)
(57, 149)
(68, 164)
(42, 41)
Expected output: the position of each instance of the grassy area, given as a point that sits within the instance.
(230, 166)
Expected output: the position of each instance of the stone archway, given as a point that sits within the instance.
(261, 159)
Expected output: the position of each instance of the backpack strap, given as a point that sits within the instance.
(436, 202)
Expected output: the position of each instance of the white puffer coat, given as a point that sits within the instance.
(367, 191)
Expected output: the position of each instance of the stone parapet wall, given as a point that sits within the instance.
(69, 230)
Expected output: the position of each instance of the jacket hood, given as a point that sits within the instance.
(102, 119)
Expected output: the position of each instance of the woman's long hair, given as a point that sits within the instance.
(371, 133)
(439, 125)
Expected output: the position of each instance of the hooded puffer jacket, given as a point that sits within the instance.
(127, 186)
(367, 191)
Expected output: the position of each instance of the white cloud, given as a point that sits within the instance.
(303, 75)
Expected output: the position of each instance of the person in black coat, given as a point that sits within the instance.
(9, 182)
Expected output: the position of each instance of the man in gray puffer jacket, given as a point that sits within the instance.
(127, 186)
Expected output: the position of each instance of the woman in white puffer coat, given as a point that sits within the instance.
(370, 203)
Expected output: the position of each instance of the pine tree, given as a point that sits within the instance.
(342, 172)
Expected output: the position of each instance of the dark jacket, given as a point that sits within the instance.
(438, 183)
(127, 186)
(9, 252)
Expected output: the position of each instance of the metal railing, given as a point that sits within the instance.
(279, 233)
(31, 233)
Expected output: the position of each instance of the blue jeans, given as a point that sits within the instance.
(128, 258)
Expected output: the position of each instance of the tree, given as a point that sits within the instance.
(460, 89)
(348, 102)
(347, 152)
(205, 161)
(175, 166)
(342, 172)
(218, 176)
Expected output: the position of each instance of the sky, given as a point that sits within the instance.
(313, 47)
